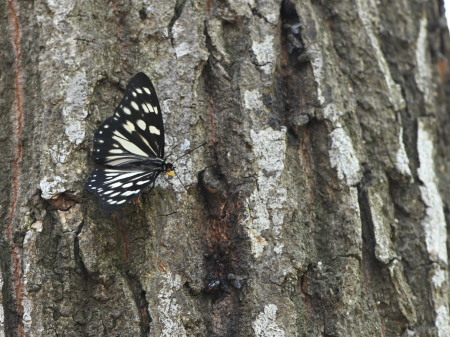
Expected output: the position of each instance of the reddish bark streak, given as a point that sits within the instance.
(17, 121)
(208, 7)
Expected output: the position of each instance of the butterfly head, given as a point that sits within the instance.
(169, 169)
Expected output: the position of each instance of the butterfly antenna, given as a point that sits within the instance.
(184, 155)
(181, 182)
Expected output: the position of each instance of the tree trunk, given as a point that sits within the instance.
(318, 206)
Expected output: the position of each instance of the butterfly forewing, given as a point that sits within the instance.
(117, 187)
(136, 129)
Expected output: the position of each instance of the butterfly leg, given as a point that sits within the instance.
(147, 191)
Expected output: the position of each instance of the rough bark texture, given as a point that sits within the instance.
(318, 207)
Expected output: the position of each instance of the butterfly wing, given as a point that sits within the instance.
(116, 187)
(129, 143)
(136, 131)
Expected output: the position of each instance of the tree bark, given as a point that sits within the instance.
(318, 206)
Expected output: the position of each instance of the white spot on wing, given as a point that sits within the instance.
(154, 130)
(127, 185)
(124, 176)
(128, 193)
(115, 185)
(129, 126)
(139, 90)
(148, 144)
(142, 182)
(129, 146)
(147, 90)
(142, 125)
(127, 111)
(117, 160)
(150, 108)
(134, 105)
(111, 172)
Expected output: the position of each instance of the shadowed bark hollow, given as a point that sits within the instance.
(317, 207)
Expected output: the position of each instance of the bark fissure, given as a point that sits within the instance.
(295, 100)
(120, 32)
(225, 254)
(140, 299)
(177, 13)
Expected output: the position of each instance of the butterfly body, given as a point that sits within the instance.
(130, 144)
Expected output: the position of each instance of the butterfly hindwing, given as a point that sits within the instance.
(116, 187)
(135, 131)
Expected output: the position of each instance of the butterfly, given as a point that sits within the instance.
(130, 144)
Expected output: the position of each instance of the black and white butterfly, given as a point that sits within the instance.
(131, 146)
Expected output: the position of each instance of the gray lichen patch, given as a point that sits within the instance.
(52, 186)
(266, 324)
(74, 110)
(265, 204)
(343, 157)
(434, 223)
